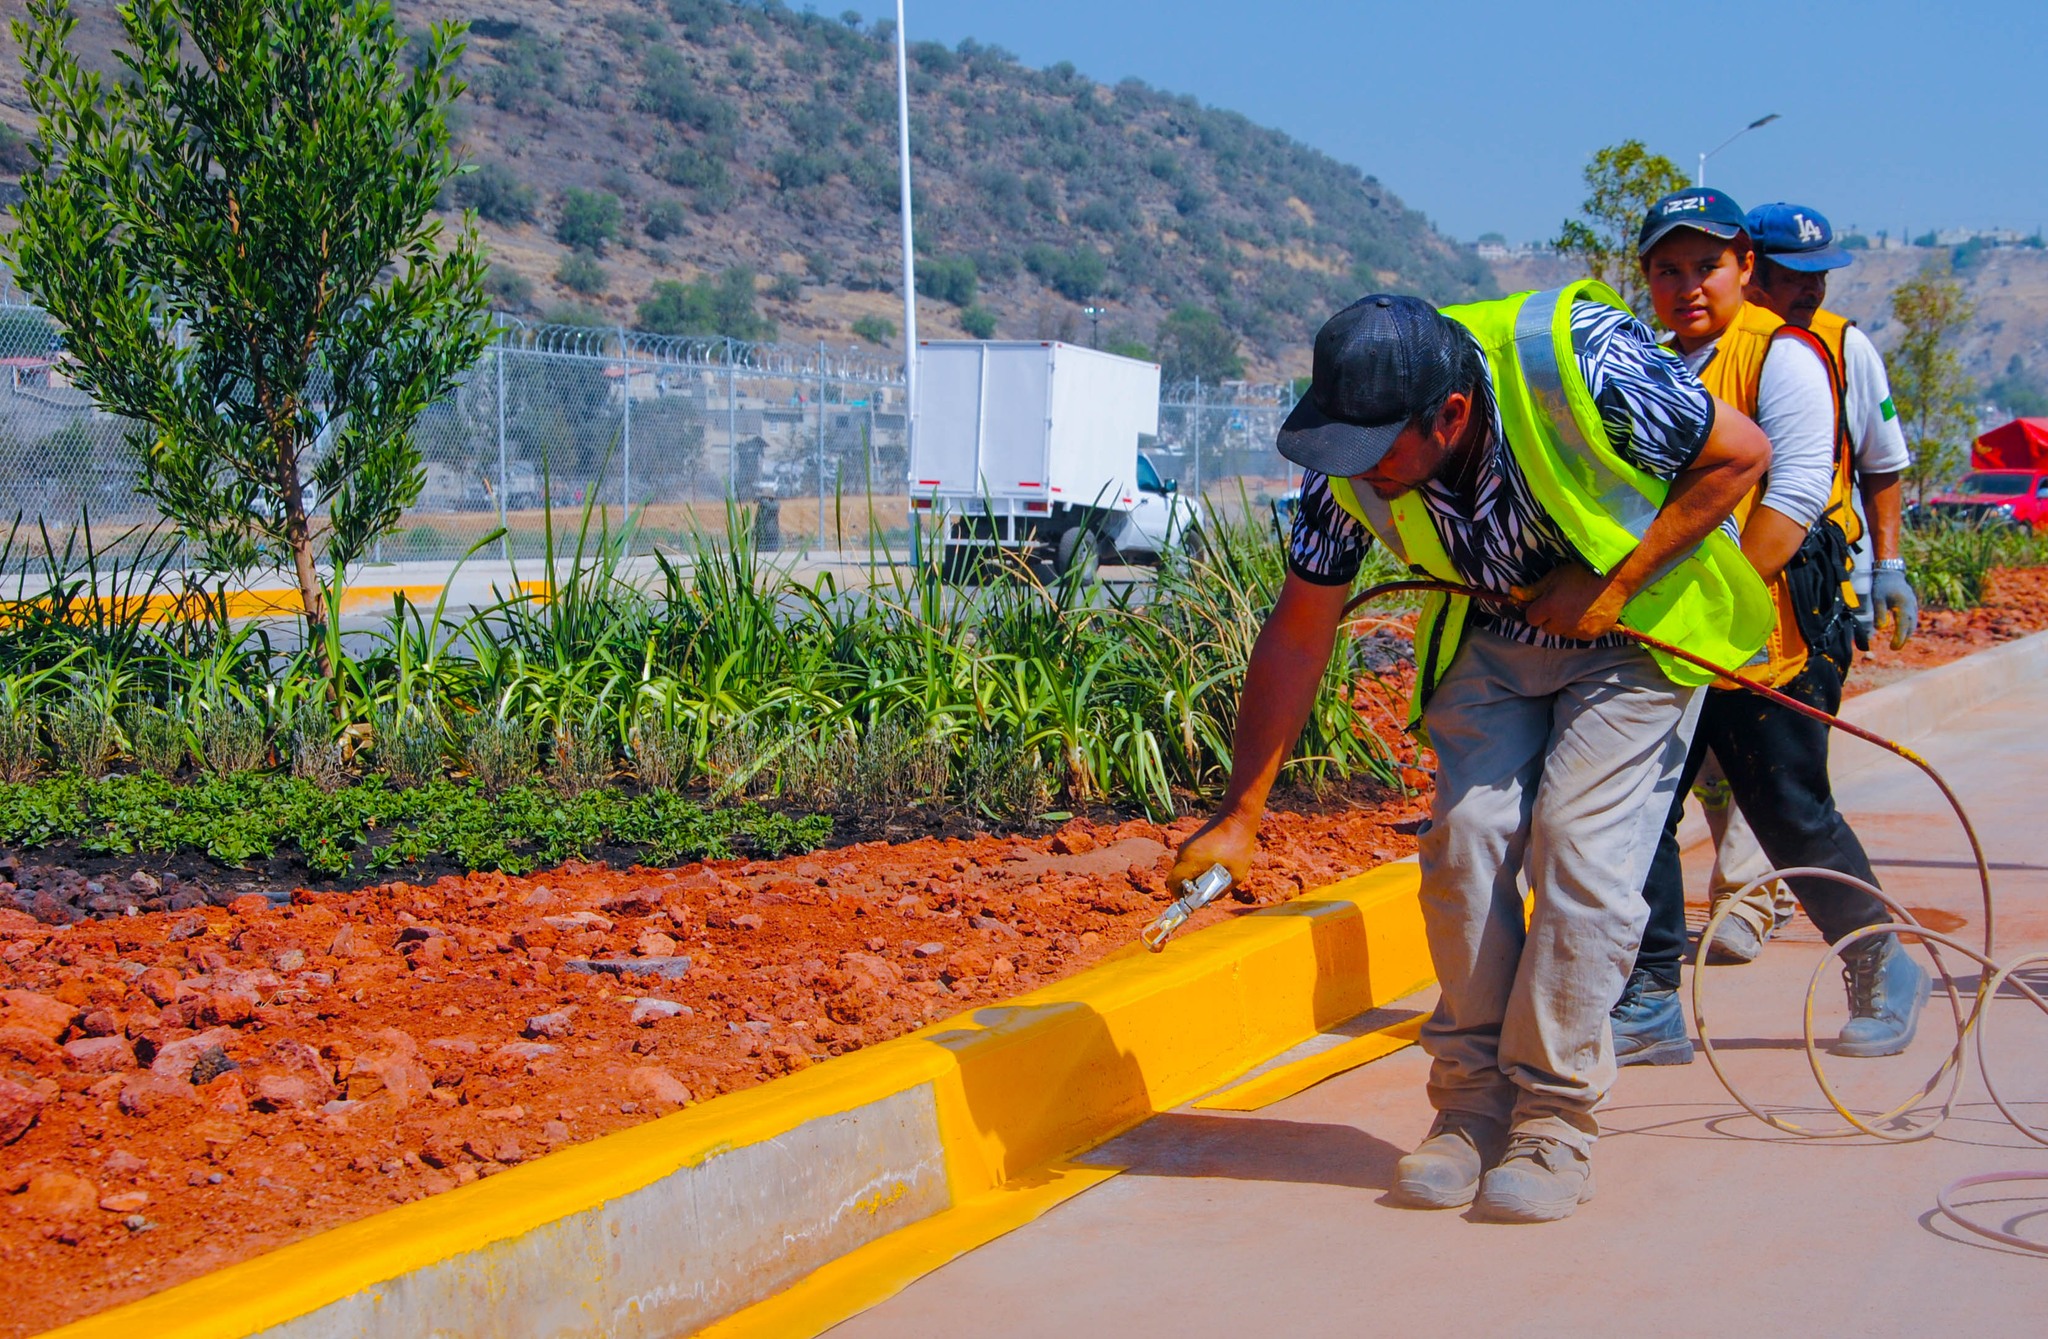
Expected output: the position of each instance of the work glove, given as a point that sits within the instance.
(1863, 625)
(1893, 602)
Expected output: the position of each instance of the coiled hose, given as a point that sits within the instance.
(1972, 1024)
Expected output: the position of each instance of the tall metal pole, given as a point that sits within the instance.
(821, 446)
(1195, 461)
(909, 276)
(732, 431)
(504, 539)
(625, 434)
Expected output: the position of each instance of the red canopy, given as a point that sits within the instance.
(2020, 445)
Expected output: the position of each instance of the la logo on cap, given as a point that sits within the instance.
(1809, 231)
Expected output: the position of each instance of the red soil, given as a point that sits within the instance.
(182, 1090)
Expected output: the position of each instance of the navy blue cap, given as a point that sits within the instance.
(1796, 237)
(1701, 208)
(1378, 363)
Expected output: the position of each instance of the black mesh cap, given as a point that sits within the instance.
(1378, 363)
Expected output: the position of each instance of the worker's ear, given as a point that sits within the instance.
(1451, 420)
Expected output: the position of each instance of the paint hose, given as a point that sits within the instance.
(1973, 1022)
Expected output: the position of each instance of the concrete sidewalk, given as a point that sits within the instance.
(1707, 1221)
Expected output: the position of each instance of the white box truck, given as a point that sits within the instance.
(1032, 446)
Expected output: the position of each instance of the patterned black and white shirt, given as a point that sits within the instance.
(1657, 416)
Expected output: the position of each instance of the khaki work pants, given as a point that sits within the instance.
(1558, 767)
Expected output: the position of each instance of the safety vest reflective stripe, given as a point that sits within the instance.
(1536, 346)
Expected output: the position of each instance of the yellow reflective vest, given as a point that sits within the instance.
(1709, 602)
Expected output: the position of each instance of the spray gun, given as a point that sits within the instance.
(1206, 888)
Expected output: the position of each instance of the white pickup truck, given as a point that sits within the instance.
(1033, 447)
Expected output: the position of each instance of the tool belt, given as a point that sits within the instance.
(1817, 577)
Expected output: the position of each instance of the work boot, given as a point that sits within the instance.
(1539, 1180)
(1886, 991)
(1443, 1172)
(1735, 942)
(1649, 1025)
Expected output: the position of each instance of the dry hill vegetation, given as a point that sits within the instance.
(661, 162)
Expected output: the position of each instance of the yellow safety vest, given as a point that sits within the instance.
(1709, 602)
(1832, 331)
(1735, 373)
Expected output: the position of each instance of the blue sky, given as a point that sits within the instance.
(1896, 114)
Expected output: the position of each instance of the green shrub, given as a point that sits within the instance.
(786, 287)
(156, 740)
(949, 279)
(581, 759)
(579, 272)
(21, 744)
(82, 733)
(874, 329)
(670, 91)
(978, 322)
(664, 220)
(589, 219)
(509, 287)
(315, 755)
(407, 744)
(231, 736)
(1077, 274)
(16, 153)
(499, 750)
(495, 191)
(662, 751)
(724, 306)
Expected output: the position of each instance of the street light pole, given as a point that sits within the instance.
(909, 279)
(1094, 315)
(1760, 121)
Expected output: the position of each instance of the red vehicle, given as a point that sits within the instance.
(1992, 497)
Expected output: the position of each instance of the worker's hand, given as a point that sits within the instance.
(1864, 625)
(1574, 602)
(1228, 839)
(1895, 604)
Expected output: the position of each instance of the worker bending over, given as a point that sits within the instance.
(1697, 256)
(1499, 444)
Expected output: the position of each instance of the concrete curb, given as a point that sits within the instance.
(673, 1225)
(1916, 706)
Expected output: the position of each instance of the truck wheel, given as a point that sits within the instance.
(1078, 555)
(1194, 544)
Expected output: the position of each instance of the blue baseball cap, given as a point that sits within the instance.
(1796, 237)
(1701, 208)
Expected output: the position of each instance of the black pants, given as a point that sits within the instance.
(1776, 762)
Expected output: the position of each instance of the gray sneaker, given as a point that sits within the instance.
(1538, 1181)
(1443, 1173)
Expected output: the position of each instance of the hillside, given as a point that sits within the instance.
(679, 139)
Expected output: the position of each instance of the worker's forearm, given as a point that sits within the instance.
(1699, 500)
(1769, 541)
(1883, 501)
(1729, 464)
(1280, 684)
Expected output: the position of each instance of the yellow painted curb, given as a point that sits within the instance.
(1284, 1081)
(878, 1271)
(266, 603)
(1017, 1088)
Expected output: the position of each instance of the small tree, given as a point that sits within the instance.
(1622, 182)
(1195, 343)
(242, 255)
(1933, 394)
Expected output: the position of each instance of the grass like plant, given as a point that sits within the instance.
(156, 740)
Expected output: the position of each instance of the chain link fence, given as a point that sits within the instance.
(659, 438)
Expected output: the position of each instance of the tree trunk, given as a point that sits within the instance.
(299, 534)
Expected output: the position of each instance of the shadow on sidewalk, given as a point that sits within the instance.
(1248, 1148)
